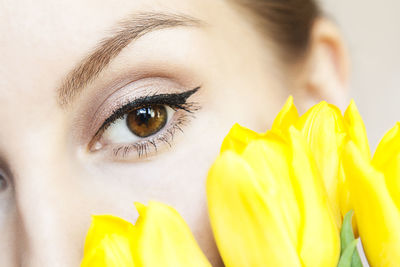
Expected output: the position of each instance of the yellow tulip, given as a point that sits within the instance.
(375, 196)
(160, 237)
(288, 116)
(238, 138)
(326, 131)
(108, 242)
(267, 203)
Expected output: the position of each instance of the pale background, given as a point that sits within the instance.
(372, 31)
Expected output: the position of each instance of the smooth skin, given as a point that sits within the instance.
(50, 182)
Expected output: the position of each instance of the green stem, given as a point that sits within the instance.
(348, 244)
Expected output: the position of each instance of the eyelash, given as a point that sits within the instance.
(176, 101)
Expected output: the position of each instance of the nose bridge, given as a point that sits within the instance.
(46, 202)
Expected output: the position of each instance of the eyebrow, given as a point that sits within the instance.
(126, 31)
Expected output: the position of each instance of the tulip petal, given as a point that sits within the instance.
(356, 129)
(387, 160)
(108, 243)
(378, 219)
(392, 179)
(164, 239)
(340, 124)
(160, 237)
(388, 147)
(268, 159)
(238, 138)
(286, 117)
(245, 217)
(320, 243)
(320, 127)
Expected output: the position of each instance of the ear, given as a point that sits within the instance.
(324, 74)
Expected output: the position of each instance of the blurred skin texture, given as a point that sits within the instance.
(52, 181)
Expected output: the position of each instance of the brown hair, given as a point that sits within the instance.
(287, 22)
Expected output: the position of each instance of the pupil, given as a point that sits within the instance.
(147, 121)
(144, 115)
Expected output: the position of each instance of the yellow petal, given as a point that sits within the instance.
(159, 238)
(340, 123)
(387, 160)
(108, 243)
(388, 148)
(356, 129)
(268, 159)
(344, 198)
(306, 122)
(378, 218)
(286, 117)
(392, 179)
(247, 222)
(238, 138)
(320, 126)
(164, 239)
(320, 243)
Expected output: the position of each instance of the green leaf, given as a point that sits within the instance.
(346, 233)
(347, 240)
(347, 255)
(356, 260)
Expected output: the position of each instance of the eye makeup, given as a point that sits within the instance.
(182, 111)
(177, 101)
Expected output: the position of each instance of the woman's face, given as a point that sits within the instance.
(98, 110)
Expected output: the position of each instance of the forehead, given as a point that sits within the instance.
(46, 22)
(42, 40)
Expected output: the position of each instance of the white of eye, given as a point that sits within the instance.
(118, 132)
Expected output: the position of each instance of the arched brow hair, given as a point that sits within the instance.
(127, 30)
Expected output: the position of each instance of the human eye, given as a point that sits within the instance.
(143, 125)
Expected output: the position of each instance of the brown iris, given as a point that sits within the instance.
(147, 121)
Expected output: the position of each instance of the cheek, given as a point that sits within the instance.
(176, 177)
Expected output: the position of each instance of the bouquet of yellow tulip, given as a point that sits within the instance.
(277, 199)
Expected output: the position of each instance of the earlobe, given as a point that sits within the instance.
(325, 76)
